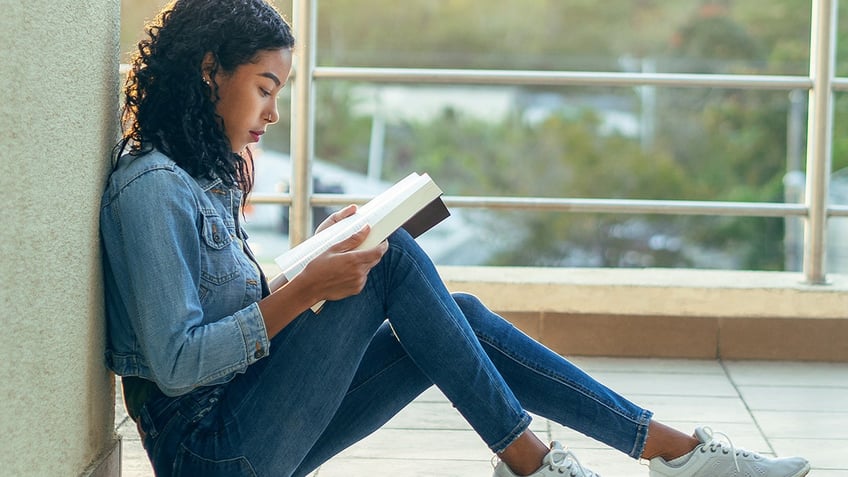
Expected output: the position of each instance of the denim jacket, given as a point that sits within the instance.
(181, 285)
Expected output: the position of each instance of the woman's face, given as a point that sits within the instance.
(247, 97)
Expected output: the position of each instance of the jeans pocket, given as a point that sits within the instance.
(190, 464)
(148, 430)
(163, 429)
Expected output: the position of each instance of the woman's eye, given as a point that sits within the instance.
(265, 92)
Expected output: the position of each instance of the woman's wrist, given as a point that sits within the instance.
(283, 305)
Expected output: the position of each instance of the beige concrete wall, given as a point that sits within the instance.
(653, 292)
(680, 313)
(58, 97)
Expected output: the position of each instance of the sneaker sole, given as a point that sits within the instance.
(803, 472)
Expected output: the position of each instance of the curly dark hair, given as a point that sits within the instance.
(169, 107)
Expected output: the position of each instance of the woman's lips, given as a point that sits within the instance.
(256, 135)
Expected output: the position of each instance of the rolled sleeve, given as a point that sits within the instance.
(252, 325)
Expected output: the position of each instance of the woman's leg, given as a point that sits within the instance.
(386, 381)
(435, 333)
(276, 412)
(567, 398)
(386, 366)
(549, 385)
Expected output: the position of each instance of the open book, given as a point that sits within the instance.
(414, 203)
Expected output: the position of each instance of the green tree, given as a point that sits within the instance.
(562, 156)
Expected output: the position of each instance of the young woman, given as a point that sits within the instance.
(228, 374)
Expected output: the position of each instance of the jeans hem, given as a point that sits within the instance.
(514, 434)
(641, 434)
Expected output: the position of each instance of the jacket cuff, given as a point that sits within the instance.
(254, 333)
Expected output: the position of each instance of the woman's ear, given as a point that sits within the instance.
(208, 67)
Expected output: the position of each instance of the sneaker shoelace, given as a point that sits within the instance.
(726, 448)
(563, 460)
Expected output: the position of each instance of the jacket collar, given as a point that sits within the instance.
(208, 183)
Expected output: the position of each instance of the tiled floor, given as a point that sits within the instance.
(781, 408)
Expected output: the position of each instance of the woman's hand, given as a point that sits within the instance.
(342, 270)
(336, 217)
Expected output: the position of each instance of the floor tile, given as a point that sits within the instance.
(803, 425)
(440, 415)
(427, 415)
(349, 467)
(781, 373)
(134, 462)
(649, 366)
(421, 444)
(803, 399)
(695, 408)
(432, 394)
(573, 439)
(670, 384)
(822, 454)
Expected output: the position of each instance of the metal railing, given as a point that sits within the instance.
(820, 84)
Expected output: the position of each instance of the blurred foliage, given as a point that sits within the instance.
(706, 144)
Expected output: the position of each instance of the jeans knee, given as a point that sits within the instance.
(402, 239)
(483, 320)
(402, 246)
(466, 301)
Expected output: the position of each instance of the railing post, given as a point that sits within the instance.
(303, 124)
(819, 137)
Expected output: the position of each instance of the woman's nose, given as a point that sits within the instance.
(273, 115)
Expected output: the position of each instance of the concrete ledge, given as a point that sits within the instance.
(665, 292)
(668, 313)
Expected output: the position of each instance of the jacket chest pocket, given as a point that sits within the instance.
(218, 262)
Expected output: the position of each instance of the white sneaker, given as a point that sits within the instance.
(557, 462)
(720, 459)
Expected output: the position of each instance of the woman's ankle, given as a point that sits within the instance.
(666, 442)
(524, 456)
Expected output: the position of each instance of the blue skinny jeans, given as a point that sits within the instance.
(334, 377)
